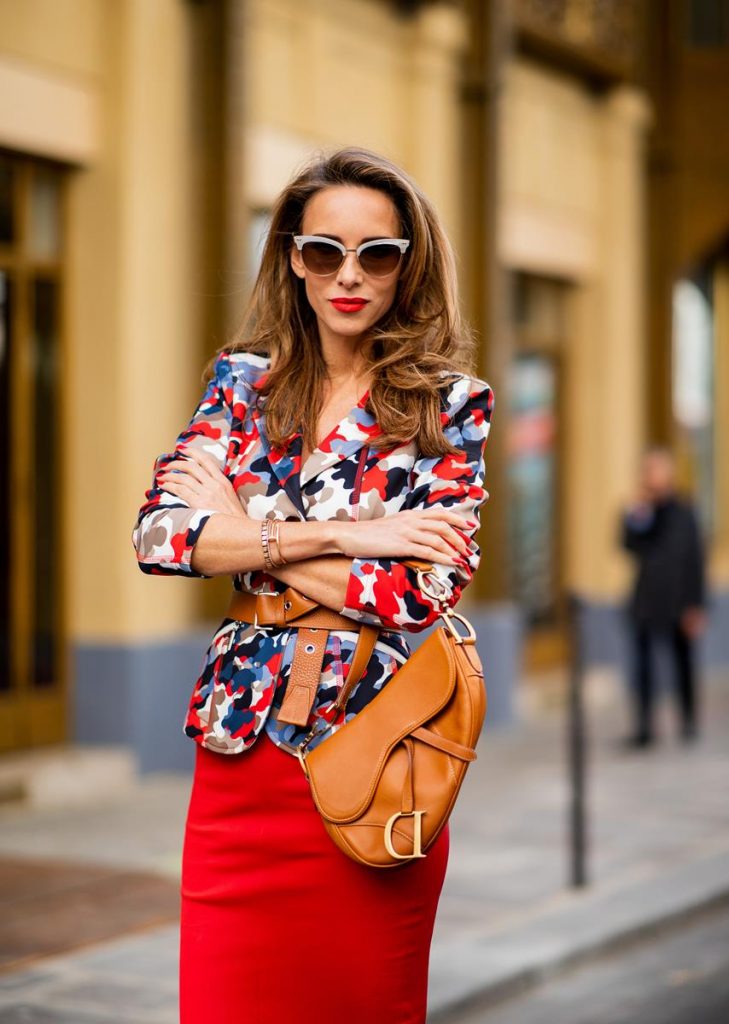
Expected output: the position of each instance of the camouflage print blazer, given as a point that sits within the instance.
(244, 671)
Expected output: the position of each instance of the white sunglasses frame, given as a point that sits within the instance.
(402, 244)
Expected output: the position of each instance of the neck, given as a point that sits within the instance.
(342, 358)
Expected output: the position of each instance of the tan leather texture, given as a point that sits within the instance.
(294, 609)
(385, 782)
(394, 771)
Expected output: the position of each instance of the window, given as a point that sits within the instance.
(31, 663)
(692, 385)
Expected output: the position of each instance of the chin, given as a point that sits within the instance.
(352, 328)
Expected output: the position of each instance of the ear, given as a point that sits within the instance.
(297, 264)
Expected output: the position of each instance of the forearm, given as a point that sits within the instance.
(232, 544)
(323, 579)
(352, 568)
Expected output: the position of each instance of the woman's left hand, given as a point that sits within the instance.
(199, 480)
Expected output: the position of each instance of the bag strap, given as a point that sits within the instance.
(366, 641)
(360, 660)
(305, 668)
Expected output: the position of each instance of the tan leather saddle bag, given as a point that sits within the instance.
(386, 782)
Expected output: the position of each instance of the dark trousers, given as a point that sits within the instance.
(681, 648)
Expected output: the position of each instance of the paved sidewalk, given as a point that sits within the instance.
(659, 847)
(659, 833)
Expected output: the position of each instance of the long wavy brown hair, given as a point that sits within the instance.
(405, 351)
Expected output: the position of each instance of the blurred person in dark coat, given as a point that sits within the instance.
(661, 530)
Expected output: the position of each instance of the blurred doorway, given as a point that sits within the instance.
(536, 387)
(32, 684)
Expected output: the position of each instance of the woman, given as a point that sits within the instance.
(344, 413)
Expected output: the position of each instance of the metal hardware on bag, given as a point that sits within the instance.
(417, 817)
(302, 759)
(315, 730)
(448, 617)
(440, 594)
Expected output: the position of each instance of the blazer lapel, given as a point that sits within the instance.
(284, 462)
(349, 435)
(345, 440)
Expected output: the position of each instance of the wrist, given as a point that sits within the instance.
(309, 539)
(336, 537)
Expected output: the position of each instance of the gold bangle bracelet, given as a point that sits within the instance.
(276, 544)
(284, 561)
(265, 544)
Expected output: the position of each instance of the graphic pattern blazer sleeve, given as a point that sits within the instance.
(383, 591)
(167, 529)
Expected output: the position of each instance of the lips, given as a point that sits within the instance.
(349, 305)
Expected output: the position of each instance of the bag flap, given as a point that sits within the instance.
(345, 767)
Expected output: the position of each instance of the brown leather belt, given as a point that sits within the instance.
(294, 610)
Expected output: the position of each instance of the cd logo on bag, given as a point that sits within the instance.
(417, 835)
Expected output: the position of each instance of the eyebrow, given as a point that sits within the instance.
(370, 238)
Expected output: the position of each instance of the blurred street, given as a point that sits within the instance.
(677, 979)
(659, 837)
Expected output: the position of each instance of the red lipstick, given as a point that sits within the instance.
(347, 304)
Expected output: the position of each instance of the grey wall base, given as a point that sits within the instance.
(137, 696)
(605, 636)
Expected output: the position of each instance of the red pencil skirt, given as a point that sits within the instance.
(277, 923)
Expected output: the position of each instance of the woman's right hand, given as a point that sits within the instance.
(429, 534)
(201, 483)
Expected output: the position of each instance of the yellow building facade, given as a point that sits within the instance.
(142, 143)
(572, 244)
(121, 104)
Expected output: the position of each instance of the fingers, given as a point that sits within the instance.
(440, 535)
(441, 530)
(199, 488)
(449, 515)
(432, 554)
(182, 469)
(208, 463)
(439, 519)
(181, 488)
(198, 464)
(449, 534)
(440, 538)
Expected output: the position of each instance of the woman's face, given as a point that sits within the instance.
(351, 214)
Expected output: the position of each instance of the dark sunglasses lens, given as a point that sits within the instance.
(321, 257)
(380, 260)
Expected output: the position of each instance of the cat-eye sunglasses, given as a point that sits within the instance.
(324, 256)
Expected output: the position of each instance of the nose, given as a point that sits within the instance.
(350, 271)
